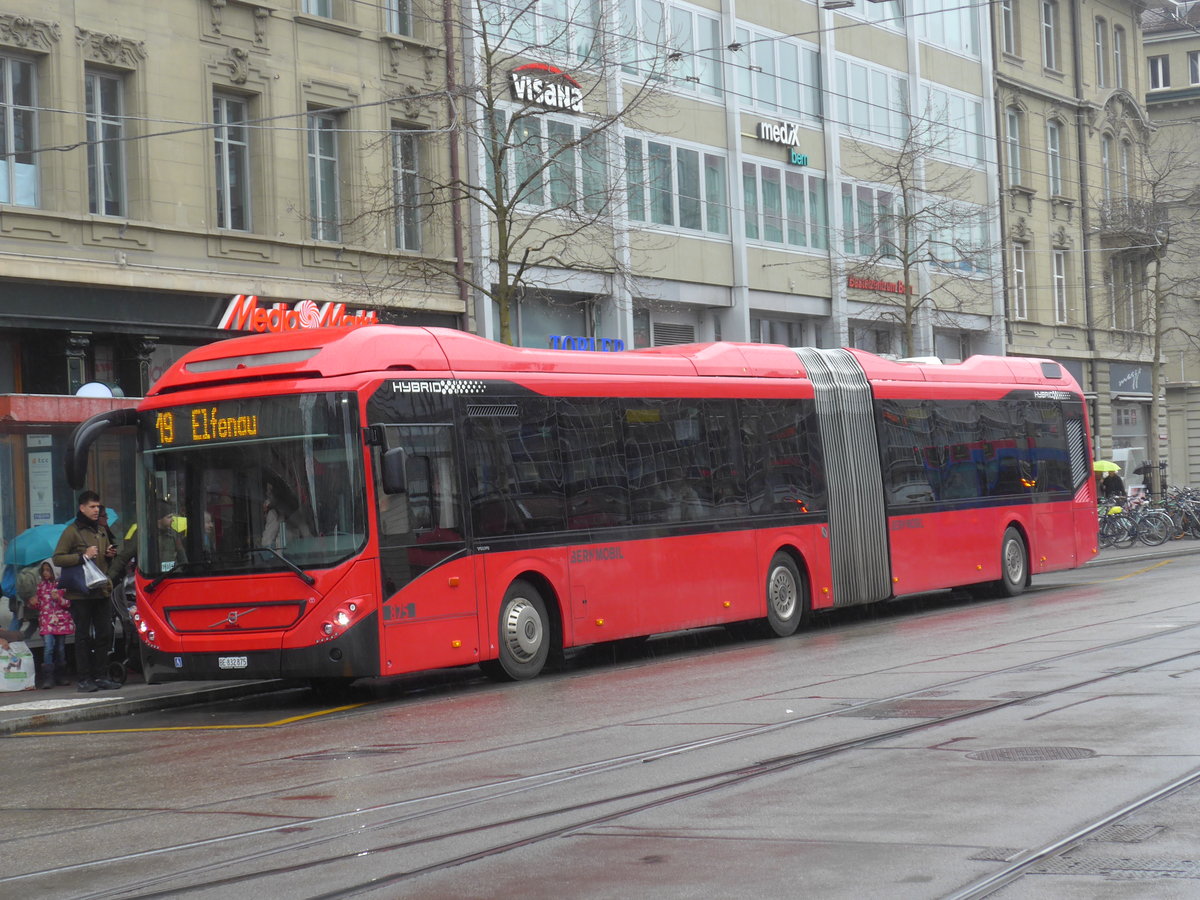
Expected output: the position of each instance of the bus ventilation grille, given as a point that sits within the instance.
(493, 409)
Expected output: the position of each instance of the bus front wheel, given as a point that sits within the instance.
(787, 598)
(523, 635)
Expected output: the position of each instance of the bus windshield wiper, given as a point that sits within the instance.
(163, 576)
(300, 573)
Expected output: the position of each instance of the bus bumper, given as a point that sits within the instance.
(353, 654)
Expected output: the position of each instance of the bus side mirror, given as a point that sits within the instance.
(394, 463)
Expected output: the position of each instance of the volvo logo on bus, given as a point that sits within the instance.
(244, 314)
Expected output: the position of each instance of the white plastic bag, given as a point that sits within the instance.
(16, 668)
(93, 576)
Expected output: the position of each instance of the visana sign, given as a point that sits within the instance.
(244, 314)
(530, 84)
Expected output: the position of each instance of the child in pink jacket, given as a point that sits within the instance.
(55, 623)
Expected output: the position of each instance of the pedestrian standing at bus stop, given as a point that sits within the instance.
(86, 538)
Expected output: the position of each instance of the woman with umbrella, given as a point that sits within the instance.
(1112, 488)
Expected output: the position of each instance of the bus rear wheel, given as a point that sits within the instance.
(523, 635)
(787, 597)
(1014, 564)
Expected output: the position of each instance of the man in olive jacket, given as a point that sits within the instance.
(89, 538)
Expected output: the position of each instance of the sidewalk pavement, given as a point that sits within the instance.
(35, 710)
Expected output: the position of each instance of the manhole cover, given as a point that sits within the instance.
(1031, 754)
(917, 709)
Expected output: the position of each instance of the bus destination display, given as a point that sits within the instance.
(198, 424)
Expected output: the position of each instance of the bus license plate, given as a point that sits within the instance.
(232, 662)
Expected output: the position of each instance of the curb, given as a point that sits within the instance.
(1151, 553)
(119, 706)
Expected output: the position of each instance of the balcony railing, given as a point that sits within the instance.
(1140, 219)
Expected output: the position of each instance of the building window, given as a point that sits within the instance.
(777, 76)
(1118, 56)
(783, 206)
(1106, 163)
(323, 195)
(1013, 144)
(560, 165)
(1160, 71)
(950, 24)
(868, 221)
(676, 186)
(106, 147)
(1060, 286)
(872, 101)
(956, 129)
(18, 133)
(568, 31)
(1127, 278)
(322, 8)
(1101, 53)
(1124, 169)
(1194, 66)
(397, 16)
(1050, 34)
(1008, 26)
(406, 188)
(231, 146)
(1018, 304)
(1054, 156)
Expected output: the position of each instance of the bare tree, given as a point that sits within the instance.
(916, 221)
(546, 177)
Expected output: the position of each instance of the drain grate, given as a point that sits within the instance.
(1031, 754)
(1126, 834)
(1119, 868)
(918, 709)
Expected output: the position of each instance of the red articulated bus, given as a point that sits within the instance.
(340, 503)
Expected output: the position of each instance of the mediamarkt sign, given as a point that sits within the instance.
(244, 314)
(562, 92)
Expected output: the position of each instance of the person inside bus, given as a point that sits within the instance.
(281, 517)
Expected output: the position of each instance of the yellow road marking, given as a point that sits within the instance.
(1165, 562)
(288, 721)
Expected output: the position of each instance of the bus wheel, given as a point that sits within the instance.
(787, 599)
(524, 634)
(1014, 564)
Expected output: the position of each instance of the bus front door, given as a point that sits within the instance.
(428, 582)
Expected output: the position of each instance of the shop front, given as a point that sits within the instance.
(67, 353)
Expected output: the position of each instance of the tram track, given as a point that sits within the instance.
(580, 816)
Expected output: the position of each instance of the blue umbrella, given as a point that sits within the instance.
(33, 545)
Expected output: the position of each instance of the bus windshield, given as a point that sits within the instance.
(251, 484)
